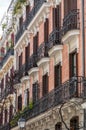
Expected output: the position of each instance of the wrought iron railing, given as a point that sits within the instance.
(5, 127)
(54, 38)
(5, 58)
(42, 51)
(32, 61)
(73, 88)
(71, 21)
(31, 15)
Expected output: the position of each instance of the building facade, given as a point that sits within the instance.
(49, 65)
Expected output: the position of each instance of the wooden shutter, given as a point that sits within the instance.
(20, 21)
(35, 43)
(57, 75)
(10, 112)
(6, 114)
(35, 92)
(45, 84)
(1, 116)
(20, 61)
(27, 54)
(27, 96)
(46, 30)
(27, 10)
(19, 103)
(73, 64)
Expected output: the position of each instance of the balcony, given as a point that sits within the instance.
(19, 74)
(42, 54)
(71, 24)
(75, 88)
(32, 67)
(9, 53)
(30, 17)
(54, 44)
(7, 92)
(5, 127)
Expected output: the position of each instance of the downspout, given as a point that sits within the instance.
(83, 39)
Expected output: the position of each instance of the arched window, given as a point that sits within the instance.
(74, 123)
(58, 126)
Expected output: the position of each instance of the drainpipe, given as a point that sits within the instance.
(83, 39)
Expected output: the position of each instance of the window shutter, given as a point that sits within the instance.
(45, 84)
(57, 75)
(20, 61)
(35, 43)
(6, 115)
(19, 102)
(27, 10)
(35, 92)
(27, 54)
(46, 30)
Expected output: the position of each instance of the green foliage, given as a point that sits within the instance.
(15, 119)
(18, 6)
(4, 25)
(31, 105)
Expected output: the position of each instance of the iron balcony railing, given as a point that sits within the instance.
(28, 20)
(42, 51)
(73, 88)
(5, 127)
(32, 61)
(5, 58)
(54, 38)
(18, 74)
(71, 21)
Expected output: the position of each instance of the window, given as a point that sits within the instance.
(27, 10)
(10, 112)
(20, 61)
(74, 123)
(20, 103)
(35, 43)
(1, 117)
(57, 17)
(58, 126)
(57, 75)
(73, 66)
(45, 81)
(26, 97)
(27, 54)
(6, 115)
(20, 21)
(35, 92)
(69, 5)
(46, 30)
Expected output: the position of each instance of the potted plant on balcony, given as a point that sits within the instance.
(4, 25)
(18, 6)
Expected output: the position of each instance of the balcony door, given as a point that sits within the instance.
(27, 55)
(56, 17)
(46, 30)
(20, 103)
(57, 75)
(73, 65)
(35, 92)
(45, 81)
(69, 5)
(35, 43)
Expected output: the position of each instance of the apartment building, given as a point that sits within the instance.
(49, 65)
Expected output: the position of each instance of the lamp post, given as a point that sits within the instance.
(22, 124)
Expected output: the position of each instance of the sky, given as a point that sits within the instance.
(4, 4)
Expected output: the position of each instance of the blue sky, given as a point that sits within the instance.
(3, 7)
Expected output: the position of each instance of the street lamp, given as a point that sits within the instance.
(22, 123)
